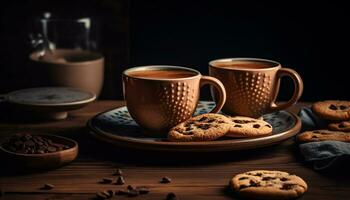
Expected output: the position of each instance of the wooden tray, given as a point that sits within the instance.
(118, 128)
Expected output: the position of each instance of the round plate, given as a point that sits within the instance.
(48, 102)
(117, 127)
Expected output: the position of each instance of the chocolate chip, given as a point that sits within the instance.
(314, 136)
(188, 129)
(258, 174)
(256, 126)
(242, 178)
(284, 179)
(342, 107)
(243, 186)
(120, 181)
(202, 119)
(253, 184)
(237, 125)
(287, 186)
(267, 178)
(106, 180)
(268, 125)
(165, 179)
(238, 121)
(204, 126)
(211, 120)
(333, 107)
(171, 196)
(342, 125)
(48, 186)
(118, 172)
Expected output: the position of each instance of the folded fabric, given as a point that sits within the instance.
(325, 154)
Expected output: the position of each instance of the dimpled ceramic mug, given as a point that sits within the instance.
(252, 85)
(160, 97)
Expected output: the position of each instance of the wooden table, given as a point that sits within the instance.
(195, 176)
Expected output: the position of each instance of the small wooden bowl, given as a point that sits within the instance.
(43, 161)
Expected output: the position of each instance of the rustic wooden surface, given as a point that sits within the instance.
(195, 176)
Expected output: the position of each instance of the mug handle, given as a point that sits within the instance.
(220, 89)
(298, 89)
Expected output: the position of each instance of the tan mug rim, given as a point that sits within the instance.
(159, 67)
(276, 64)
(99, 58)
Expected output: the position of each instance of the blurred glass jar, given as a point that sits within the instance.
(65, 54)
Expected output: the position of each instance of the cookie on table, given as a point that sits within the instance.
(265, 184)
(248, 127)
(332, 110)
(323, 135)
(340, 126)
(205, 127)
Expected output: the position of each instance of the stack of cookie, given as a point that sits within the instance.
(207, 127)
(337, 114)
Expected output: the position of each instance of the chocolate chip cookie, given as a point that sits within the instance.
(340, 126)
(323, 135)
(332, 110)
(248, 127)
(203, 127)
(264, 184)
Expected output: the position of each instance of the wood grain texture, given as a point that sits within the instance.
(195, 175)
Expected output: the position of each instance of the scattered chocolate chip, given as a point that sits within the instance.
(258, 174)
(256, 126)
(48, 186)
(165, 179)
(287, 186)
(237, 125)
(268, 125)
(267, 178)
(133, 193)
(120, 181)
(204, 126)
(333, 107)
(342, 107)
(143, 190)
(106, 180)
(242, 178)
(188, 129)
(118, 172)
(171, 196)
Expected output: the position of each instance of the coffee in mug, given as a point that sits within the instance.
(252, 85)
(160, 97)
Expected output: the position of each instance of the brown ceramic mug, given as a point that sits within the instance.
(160, 97)
(68, 68)
(252, 85)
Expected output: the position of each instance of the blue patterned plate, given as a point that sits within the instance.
(117, 127)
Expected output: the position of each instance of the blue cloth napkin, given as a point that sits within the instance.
(326, 154)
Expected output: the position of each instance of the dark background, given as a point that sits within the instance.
(312, 38)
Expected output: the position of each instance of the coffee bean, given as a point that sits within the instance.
(165, 179)
(133, 193)
(120, 181)
(256, 126)
(333, 107)
(48, 186)
(143, 190)
(171, 196)
(130, 187)
(106, 180)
